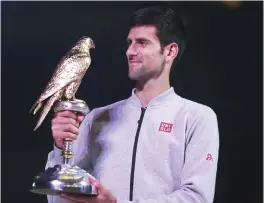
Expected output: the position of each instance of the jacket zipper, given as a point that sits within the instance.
(143, 110)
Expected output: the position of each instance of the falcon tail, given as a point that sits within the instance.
(38, 107)
(33, 107)
(47, 107)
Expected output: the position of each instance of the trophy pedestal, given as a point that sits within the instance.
(63, 178)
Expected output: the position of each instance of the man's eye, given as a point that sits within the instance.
(143, 42)
(128, 43)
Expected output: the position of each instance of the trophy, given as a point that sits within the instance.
(60, 92)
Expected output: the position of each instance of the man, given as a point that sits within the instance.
(155, 146)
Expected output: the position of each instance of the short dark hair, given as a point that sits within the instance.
(169, 25)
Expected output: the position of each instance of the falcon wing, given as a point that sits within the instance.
(66, 72)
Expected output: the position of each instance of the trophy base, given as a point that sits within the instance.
(63, 179)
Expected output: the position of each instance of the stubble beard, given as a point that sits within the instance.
(141, 74)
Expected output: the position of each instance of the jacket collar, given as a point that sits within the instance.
(163, 99)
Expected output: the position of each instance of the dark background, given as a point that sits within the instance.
(222, 68)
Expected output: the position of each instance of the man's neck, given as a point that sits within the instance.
(150, 90)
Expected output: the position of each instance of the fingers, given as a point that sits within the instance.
(99, 186)
(69, 114)
(62, 133)
(80, 118)
(104, 195)
(66, 114)
(65, 120)
(78, 198)
(96, 183)
(65, 125)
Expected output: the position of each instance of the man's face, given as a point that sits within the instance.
(144, 54)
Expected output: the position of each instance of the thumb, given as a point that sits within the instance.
(97, 184)
(80, 118)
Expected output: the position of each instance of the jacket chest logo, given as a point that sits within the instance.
(165, 127)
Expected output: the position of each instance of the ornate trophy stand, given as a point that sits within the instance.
(67, 177)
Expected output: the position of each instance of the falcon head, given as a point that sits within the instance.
(84, 45)
(89, 42)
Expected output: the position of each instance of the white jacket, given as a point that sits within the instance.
(164, 153)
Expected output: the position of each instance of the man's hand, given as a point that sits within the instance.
(104, 195)
(65, 125)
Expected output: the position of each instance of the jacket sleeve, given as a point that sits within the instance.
(80, 151)
(200, 165)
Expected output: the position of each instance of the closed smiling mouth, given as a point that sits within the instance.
(133, 61)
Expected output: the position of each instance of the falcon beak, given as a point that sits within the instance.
(92, 45)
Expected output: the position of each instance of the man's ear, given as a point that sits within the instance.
(171, 51)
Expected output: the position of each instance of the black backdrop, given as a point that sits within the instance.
(222, 68)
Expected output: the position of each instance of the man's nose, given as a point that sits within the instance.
(131, 51)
